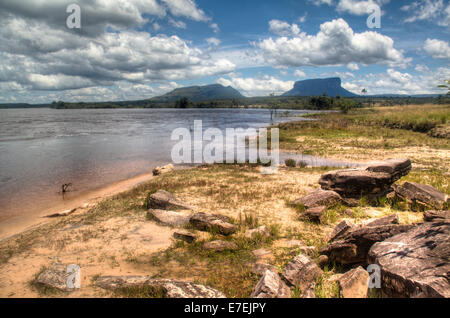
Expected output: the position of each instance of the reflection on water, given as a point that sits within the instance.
(41, 149)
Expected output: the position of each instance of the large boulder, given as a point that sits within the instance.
(213, 223)
(165, 200)
(170, 288)
(353, 246)
(354, 283)
(373, 180)
(319, 198)
(271, 286)
(301, 272)
(170, 218)
(415, 263)
(421, 195)
(341, 229)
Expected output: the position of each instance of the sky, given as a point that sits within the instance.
(137, 49)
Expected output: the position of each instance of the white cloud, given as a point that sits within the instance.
(352, 66)
(177, 24)
(437, 49)
(213, 41)
(395, 82)
(214, 27)
(359, 7)
(283, 28)
(424, 10)
(257, 86)
(334, 44)
(299, 73)
(320, 2)
(186, 8)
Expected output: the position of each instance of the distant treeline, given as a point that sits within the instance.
(315, 102)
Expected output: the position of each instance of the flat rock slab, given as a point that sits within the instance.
(301, 272)
(422, 195)
(354, 245)
(354, 283)
(319, 198)
(415, 263)
(375, 179)
(387, 220)
(184, 235)
(169, 218)
(165, 200)
(170, 288)
(271, 286)
(212, 223)
(341, 229)
(220, 246)
(58, 276)
(431, 216)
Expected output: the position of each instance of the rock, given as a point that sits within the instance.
(57, 276)
(440, 132)
(184, 235)
(261, 268)
(164, 169)
(391, 219)
(376, 179)
(323, 260)
(397, 168)
(165, 200)
(301, 272)
(348, 212)
(262, 253)
(262, 231)
(319, 198)
(415, 263)
(341, 229)
(212, 222)
(170, 288)
(350, 202)
(170, 218)
(315, 214)
(353, 246)
(431, 216)
(354, 283)
(422, 195)
(220, 246)
(61, 214)
(271, 286)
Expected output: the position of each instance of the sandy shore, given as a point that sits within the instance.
(18, 224)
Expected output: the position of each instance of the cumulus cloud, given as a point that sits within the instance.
(359, 7)
(299, 73)
(437, 49)
(36, 55)
(335, 44)
(395, 82)
(431, 10)
(352, 66)
(213, 41)
(186, 8)
(257, 86)
(283, 28)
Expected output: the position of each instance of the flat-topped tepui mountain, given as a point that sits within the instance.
(200, 93)
(317, 87)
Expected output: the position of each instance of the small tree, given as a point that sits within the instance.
(447, 86)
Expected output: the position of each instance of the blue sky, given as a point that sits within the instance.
(136, 49)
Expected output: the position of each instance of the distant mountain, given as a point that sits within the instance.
(317, 87)
(199, 93)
